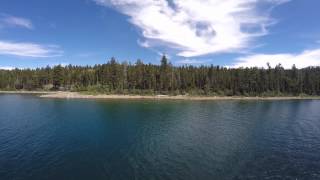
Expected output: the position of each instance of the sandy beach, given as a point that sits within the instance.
(77, 95)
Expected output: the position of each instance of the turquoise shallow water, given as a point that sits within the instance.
(86, 139)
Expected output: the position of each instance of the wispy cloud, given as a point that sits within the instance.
(29, 49)
(197, 27)
(9, 21)
(304, 59)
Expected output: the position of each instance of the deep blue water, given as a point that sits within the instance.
(44, 139)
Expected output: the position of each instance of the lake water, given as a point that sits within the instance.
(44, 139)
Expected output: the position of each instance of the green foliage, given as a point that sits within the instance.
(149, 79)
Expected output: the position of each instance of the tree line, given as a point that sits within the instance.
(139, 78)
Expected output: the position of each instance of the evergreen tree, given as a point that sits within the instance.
(57, 77)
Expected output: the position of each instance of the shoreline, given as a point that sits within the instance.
(77, 95)
(28, 92)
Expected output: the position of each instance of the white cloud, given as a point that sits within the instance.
(197, 27)
(191, 62)
(28, 49)
(63, 64)
(6, 68)
(305, 59)
(8, 20)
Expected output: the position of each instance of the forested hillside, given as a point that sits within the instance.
(139, 78)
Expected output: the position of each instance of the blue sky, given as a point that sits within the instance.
(233, 33)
